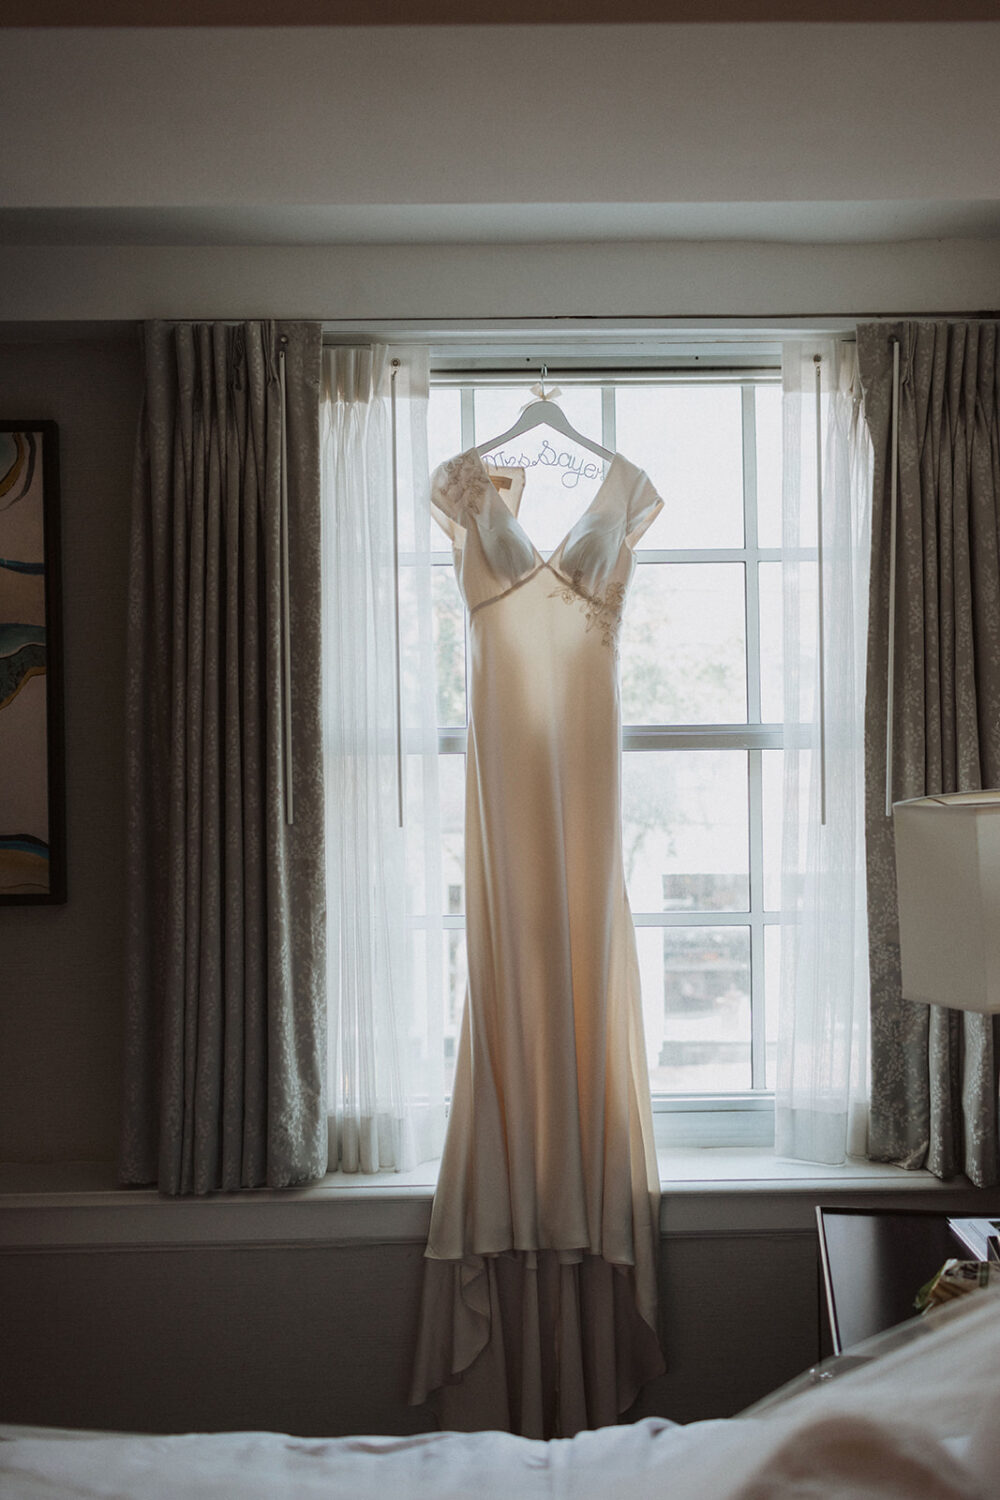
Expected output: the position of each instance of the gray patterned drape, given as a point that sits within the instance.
(225, 1051)
(934, 1071)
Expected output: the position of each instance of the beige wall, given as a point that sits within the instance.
(61, 983)
(320, 1341)
(263, 1320)
(499, 114)
(437, 282)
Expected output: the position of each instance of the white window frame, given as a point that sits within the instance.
(745, 1118)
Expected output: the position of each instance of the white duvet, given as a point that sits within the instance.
(921, 1422)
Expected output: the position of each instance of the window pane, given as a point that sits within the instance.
(767, 406)
(455, 979)
(421, 1026)
(684, 661)
(498, 407)
(449, 646)
(801, 590)
(773, 805)
(689, 439)
(772, 989)
(685, 818)
(444, 426)
(451, 780)
(412, 585)
(684, 645)
(420, 830)
(696, 1007)
(772, 685)
(562, 476)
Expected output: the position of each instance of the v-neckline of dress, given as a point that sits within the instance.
(616, 458)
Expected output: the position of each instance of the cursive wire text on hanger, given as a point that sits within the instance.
(574, 468)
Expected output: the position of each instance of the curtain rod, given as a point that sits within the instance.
(645, 323)
(608, 375)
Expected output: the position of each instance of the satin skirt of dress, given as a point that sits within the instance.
(534, 1334)
(543, 1343)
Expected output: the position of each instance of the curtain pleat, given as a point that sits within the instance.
(934, 1071)
(225, 1004)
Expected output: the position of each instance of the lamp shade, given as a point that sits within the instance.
(948, 883)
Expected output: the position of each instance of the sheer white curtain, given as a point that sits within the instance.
(821, 1095)
(385, 962)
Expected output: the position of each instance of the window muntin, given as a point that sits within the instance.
(701, 698)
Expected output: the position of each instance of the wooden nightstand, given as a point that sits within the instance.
(874, 1263)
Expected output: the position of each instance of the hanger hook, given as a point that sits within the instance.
(545, 373)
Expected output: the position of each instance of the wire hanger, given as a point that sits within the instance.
(543, 412)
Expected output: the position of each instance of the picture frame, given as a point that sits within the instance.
(32, 765)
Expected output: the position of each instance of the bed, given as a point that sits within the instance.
(912, 1415)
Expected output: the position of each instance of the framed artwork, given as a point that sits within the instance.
(32, 812)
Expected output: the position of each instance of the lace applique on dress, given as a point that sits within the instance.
(462, 484)
(603, 611)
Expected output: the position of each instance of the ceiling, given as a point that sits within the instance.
(775, 131)
(469, 12)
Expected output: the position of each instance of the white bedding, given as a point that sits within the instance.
(921, 1422)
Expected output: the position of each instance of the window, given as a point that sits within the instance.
(701, 700)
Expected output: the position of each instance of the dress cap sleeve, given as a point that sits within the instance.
(457, 490)
(643, 508)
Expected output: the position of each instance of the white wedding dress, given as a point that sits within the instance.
(540, 1291)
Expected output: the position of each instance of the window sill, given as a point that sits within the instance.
(706, 1191)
